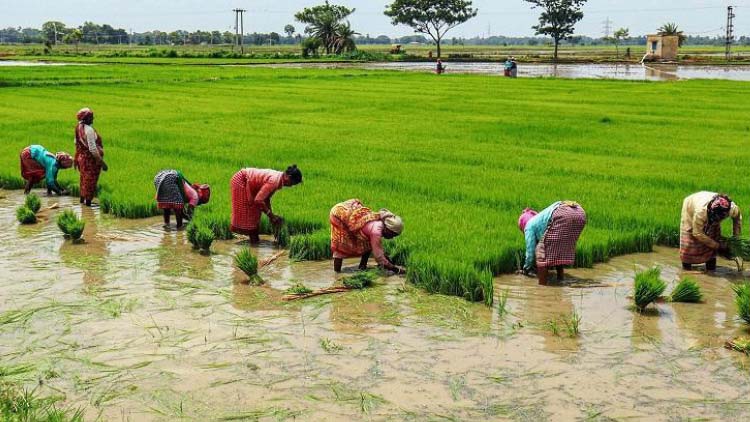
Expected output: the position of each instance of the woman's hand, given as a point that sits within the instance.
(104, 166)
(276, 220)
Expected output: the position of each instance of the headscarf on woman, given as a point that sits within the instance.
(391, 221)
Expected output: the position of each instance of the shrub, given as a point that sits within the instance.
(71, 226)
(25, 215)
(742, 300)
(687, 291)
(33, 202)
(648, 287)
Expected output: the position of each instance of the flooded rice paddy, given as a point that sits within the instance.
(133, 325)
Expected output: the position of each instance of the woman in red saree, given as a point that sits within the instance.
(252, 190)
(89, 159)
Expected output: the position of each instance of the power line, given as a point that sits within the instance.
(239, 27)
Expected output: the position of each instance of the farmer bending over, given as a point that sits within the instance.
(174, 192)
(356, 231)
(700, 228)
(37, 163)
(252, 190)
(551, 237)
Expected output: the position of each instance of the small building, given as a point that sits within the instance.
(662, 47)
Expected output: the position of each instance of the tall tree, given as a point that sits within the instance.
(54, 31)
(431, 17)
(558, 18)
(324, 22)
(289, 30)
(74, 37)
(619, 36)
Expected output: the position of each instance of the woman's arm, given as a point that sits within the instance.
(531, 241)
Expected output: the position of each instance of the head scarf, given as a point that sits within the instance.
(65, 160)
(719, 208)
(84, 114)
(391, 221)
(204, 193)
(525, 217)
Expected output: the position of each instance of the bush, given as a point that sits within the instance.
(71, 226)
(310, 47)
(33, 202)
(648, 287)
(25, 215)
(742, 300)
(687, 291)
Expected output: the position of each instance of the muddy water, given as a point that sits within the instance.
(135, 326)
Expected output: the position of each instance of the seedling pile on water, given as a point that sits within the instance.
(742, 300)
(71, 226)
(24, 215)
(740, 344)
(299, 289)
(648, 287)
(33, 202)
(360, 280)
(248, 263)
(200, 236)
(688, 291)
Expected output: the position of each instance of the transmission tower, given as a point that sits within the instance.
(239, 27)
(607, 27)
(730, 32)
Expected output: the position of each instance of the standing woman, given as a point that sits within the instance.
(551, 237)
(356, 231)
(700, 228)
(252, 190)
(175, 193)
(37, 163)
(89, 159)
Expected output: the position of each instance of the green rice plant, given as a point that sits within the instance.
(200, 236)
(71, 226)
(742, 301)
(740, 344)
(22, 405)
(33, 202)
(315, 246)
(451, 278)
(572, 323)
(360, 280)
(25, 216)
(502, 308)
(553, 327)
(687, 290)
(248, 264)
(281, 235)
(738, 248)
(330, 346)
(648, 287)
(298, 289)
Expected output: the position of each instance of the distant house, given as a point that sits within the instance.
(662, 47)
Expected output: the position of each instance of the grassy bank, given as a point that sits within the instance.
(458, 156)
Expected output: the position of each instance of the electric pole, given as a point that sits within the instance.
(607, 28)
(730, 32)
(239, 27)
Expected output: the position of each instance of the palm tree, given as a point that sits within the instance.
(671, 29)
(343, 40)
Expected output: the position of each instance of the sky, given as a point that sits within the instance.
(496, 17)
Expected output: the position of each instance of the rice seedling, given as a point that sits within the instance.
(553, 327)
(330, 346)
(310, 247)
(298, 289)
(360, 280)
(740, 344)
(22, 405)
(71, 226)
(248, 264)
(648, 287)
(281, 236)
(738, 248)
(502, 308)
(742, 301)
(687, 290)
(572, 323)
(200, 236)
(33, 202)
(25, 216)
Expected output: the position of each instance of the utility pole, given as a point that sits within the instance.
(607, 29)
(54, 25)
(239, 27)
(730, 32)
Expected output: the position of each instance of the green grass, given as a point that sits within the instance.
(23, 405)
(687, 290)
(70, 224)
(25, 216)
(648, 287)
(457, 157)
(33, 202)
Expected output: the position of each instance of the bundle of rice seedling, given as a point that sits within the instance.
(360, 280)
(299, 289)
(248, 263)
(737, 248)
(311, 247)
(742, 301)
(648, 287)
(740, 344)
(688, 291)
(33, 202)
(200, 236)
(71, 226)
(25, 215)
(281, 235)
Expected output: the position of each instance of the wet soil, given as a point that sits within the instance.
(133, 325)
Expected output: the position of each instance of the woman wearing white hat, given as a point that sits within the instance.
(356, 231)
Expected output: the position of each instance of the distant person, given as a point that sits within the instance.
(510, 68)
(551, 238)
(440, 69)
(38, 164)
(356, 231)
(252, 190)
(175, 193)
(89, 159)
(700, 228)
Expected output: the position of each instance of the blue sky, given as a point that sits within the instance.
(499, 17)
